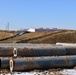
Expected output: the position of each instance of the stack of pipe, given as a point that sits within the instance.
(37, 58)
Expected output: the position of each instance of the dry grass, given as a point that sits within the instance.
(26, 37)
(43, 37)
(66, 37)
(5, 34)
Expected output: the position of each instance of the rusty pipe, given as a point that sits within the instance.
(53, 51)
(31, 52)
(6, 52)
(70, 50)
(23, 64)
(30, 63)
(5, 63)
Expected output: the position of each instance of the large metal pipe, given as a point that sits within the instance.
(27, 52)
(22, 64)
(66, 44)
(53, 51)
(70, 50)
(31, 52)
(30, 63)
(6, 52)
(5, 63)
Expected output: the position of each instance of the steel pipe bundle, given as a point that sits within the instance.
(34, 60)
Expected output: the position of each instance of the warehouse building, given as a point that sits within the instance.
(44, 30)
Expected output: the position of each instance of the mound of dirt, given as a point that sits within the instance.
(67, 36)
(5, 34)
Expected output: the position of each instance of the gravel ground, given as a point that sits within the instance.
(40, 72)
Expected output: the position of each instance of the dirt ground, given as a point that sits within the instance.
(68, 36)
(41, 72)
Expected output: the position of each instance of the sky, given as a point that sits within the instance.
(23, 14)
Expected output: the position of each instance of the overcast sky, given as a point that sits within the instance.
(22, 14)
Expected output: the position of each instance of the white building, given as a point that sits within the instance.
(31, 30)
(43, 30)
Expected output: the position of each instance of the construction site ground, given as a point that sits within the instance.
(67, 36)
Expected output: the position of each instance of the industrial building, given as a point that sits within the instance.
(44, 30)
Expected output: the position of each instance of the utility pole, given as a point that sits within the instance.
(7, 26)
